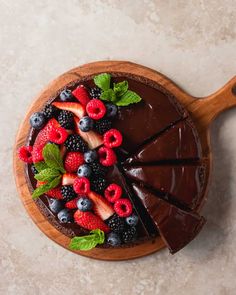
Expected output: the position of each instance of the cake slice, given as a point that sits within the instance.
(176, 227)
(180, 184)
(179, 142)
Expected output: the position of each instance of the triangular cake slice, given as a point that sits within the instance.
(177, 143)
(181, 184)
(176, 227)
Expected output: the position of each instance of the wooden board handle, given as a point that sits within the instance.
(206, 109)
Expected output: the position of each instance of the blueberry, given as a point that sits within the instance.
(37, 120)
(86, 124)
(90, 156)
(132, 220)
(55, 205)
(111, 110)
(64, 216)
(113, 239)
(84, 171)
(66, 95)
(84, 204)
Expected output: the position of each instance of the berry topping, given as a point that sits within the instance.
(50, 111)
(116, 223)
(58, 135)
(98, 169)
(37, 154)
(84, 171)
(96, 109)
(90, 221)
(68, 178)
(68, 192)
(55, 205)
(81, 185)
(132, 220)
(129, 235)
(100, 206)
(84, 204)
(90, 156)
(72, 161)
(25, 154)
(86, 124)
(66, 95)
(123, 207)
(113, 239)
(75, 143)
(72, 204)
(113, 192)
(112, 138)
(81, 94)
(111, 110)
(37, 120)
(107, 156)
(66, 119)
(98, 185)
(95, 92)
(103, 125)
(74, 107)
(55, 193)
(64, 216)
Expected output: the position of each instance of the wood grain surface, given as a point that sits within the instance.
(202, 111)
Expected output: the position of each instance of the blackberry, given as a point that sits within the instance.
(95, 92)
(68, 192)
(75, 143)
(66, 119)
(34, 170)
(116, 224)
(102, 125)
(50, 111)
(98, 184)
(129, 234)
(98, 169)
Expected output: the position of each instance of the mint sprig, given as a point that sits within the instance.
(47, 174)
(42, 189)
(52, 157)
(119, 94)
(88, 242)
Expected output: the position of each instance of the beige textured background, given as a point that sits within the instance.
(194, 43)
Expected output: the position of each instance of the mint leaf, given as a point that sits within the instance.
(108, 95)
(42, 189)
(52, 157)
(127, 98)
(47, 174)
(88, 242)
(40, 166)
(103, 81)
(120, 88)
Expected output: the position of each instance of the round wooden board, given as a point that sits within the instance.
(199, 111)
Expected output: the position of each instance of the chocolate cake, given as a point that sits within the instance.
(158, 166)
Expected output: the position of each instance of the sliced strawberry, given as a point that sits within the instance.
(90, 221)
(63, 150)
(74, 107)
(72, 204)
(68, 178)
(81, 94)
(92, 138)
(101, 206)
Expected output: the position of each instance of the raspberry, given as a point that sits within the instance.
(72, 204)
(107, 156)
(58, 135)
(96, 109)
(81, 94)
(113, 192)
(112, 138)
(72, 161)
(81, 185)
(37, 154)
(25, 154)
(123, 207)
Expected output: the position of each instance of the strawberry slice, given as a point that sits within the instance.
(90, 221)
(74, 107)
(101, 206)
(68, 178)
(81, 94)
(63, 150)
(92, 138)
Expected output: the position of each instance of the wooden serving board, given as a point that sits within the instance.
(202, 111)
